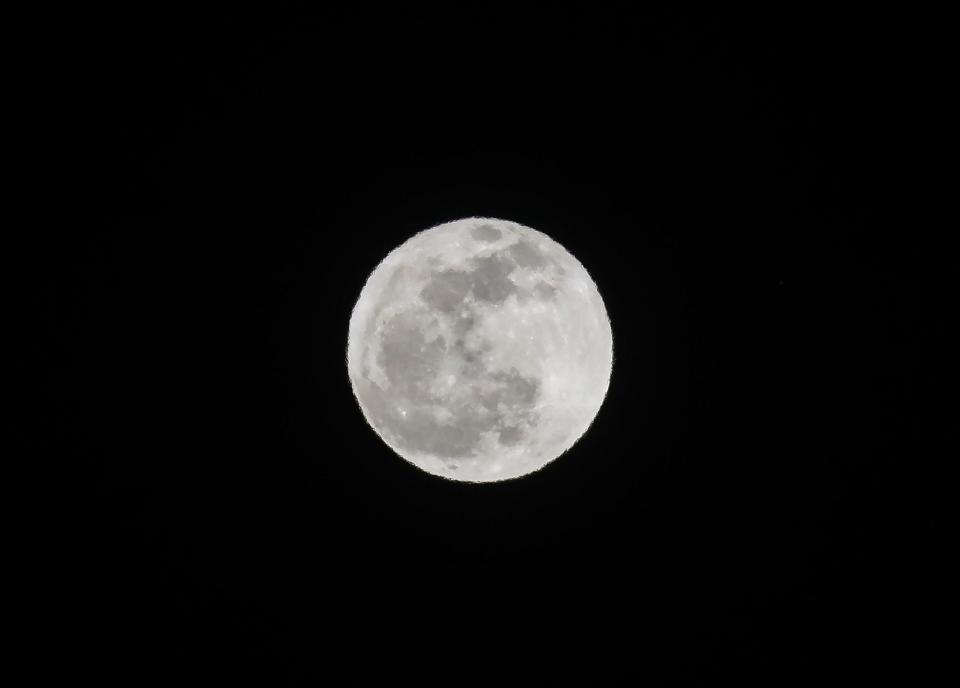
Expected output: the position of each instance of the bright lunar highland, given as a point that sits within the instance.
(480, 350)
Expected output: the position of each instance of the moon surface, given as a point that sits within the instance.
(480, 350)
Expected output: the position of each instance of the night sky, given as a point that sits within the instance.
(751, 501)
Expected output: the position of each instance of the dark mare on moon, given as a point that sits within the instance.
(412, 363)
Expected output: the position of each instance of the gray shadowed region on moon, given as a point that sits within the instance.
(480, 350)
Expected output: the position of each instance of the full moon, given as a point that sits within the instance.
(480, 350)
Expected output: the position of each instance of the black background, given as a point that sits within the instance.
(749, 502)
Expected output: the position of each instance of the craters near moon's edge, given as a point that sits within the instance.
(486, 232)
(488, 278)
